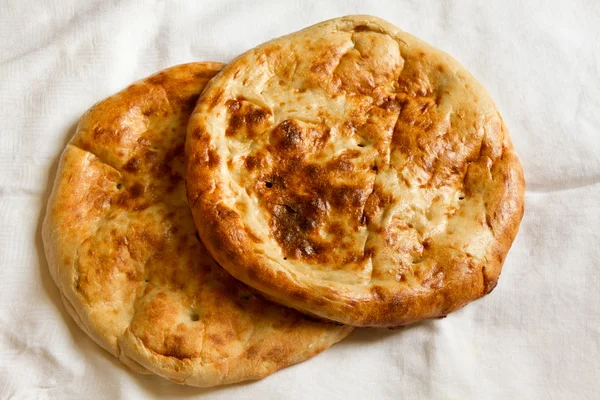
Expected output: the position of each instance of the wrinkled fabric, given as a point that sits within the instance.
(536, 336)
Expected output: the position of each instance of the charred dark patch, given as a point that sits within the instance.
(293, 223)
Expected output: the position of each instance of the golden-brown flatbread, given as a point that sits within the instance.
(354, 172)
(122, 248)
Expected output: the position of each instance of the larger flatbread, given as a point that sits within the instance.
(122, 249)
(354, 172)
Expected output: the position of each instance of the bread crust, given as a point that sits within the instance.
(122, 248)
(356, 173)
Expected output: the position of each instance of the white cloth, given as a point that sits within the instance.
(536, 336)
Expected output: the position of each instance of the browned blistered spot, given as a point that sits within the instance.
(198, 132)
(205, 153)
(173, 181)
(378, 292)
(133, 165)
(336, 229)
(217, 339)
(132, 276)
(348, 196)
(233, 105)
(277, 354)
(391, 105)
(271, 50)
(176, 152)
(344, 162)
(344, 165)
(320, 68)
(251, 162)
(175, 347)
(287, 135)
(215, 98)
(361, 28)
(149, 156)
(235, 123)
(312, 170)
(136, 190)
(151, 109)
(161, 170)
(246, 118)
(299, 295)
(158, 79)
(251, 352)
(255, 117)
(213, 158)
(427, 244)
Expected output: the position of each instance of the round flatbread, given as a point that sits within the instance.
(354, 172)
(122, 248)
